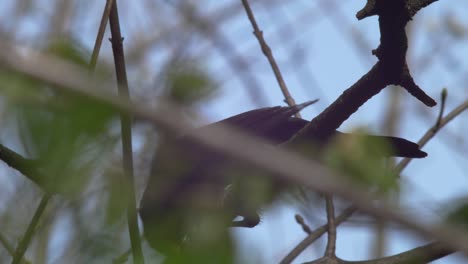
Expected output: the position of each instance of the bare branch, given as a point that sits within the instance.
(433, 131)
(391, 68)
(302, 223)
(331, 243)
(100, 34)
(9, 248)
(27, 167)
(423, 254)
(122, 258)
(126, 130)
(28, 235)
(269, 54)
(313, 236)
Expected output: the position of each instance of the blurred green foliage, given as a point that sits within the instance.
(65, 134)
(68, 49)
(457, 212)
(188, 83)
(362, 159)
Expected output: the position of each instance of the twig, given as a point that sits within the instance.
(27, 167)
(269, 54)
(315, 235)
(443, 98)
(126, 130)
(100, 35)
(433, 131)
(9, 248)
(302, 223)
(380, 240)
(331, 227)
(122, 258)
(423, 254)
(28, 235)
(282, 164)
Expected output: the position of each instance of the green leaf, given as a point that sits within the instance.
(67, 136)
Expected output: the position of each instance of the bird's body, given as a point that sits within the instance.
(186, 177)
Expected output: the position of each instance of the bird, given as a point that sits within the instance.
(188, 180)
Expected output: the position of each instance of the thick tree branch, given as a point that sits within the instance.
(346, 104)
(390, 69)
(412, 6)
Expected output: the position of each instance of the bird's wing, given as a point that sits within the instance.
(271, 123)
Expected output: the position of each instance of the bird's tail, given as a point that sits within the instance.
(402, 147)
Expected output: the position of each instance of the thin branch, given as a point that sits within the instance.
(269, 54)
(28, 235)
(443, 99)
(283, 164)
(380, 240)
(423, 254)
(331, 227)
(100, 35)
(313, 236)
(27, 167)
(10, 249)
(122, 258)
(126, 130)
(302, 223)
(433, 131)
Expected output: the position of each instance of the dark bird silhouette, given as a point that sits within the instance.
(187, 178)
